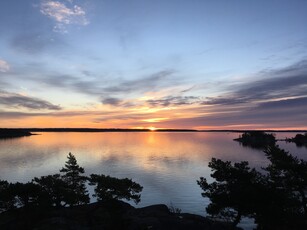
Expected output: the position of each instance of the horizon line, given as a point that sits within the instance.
(149, 130)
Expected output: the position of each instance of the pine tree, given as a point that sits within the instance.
(76, 192)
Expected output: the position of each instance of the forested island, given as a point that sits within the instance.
(300, 140)
(257, 139)
(12, 133)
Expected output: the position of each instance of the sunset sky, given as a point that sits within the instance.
(198, 64)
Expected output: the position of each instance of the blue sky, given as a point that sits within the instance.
(141, 63)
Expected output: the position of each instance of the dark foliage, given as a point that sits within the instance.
(233, 193)
(289, 174)
(26, 195)
(108, 188)
(53, 190)
(256, 139)
(276, 199)
(7, 199)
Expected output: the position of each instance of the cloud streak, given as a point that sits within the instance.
(64, 15)
(278, 84)
(173, 101)
(20, 101)
(144, 84)
(97, 86)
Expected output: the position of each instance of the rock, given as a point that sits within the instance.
(105, 216)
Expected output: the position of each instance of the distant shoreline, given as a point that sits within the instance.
(27, 131)
(14, 133)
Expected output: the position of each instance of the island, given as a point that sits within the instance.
(300, 140)
(12, 133)
(256, 139)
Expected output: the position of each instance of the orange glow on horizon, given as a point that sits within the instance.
(128, 119)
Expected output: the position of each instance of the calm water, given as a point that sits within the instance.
(167, 165)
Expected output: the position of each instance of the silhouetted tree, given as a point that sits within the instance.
(108, 188)
(233, 194)
(288, 173)
(26, 195)
(276, 199)
(7, 198)
(53, 190)
(76, 192)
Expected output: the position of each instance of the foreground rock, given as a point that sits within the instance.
(105, 215)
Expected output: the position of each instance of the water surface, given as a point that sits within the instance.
(167, 165)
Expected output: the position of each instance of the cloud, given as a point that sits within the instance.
(287, 113)
(21, 101)
(116, 87)
(275, 84)
(4, 66)
(144, 84)
(64, 15)
(287, 104)
(111, 101)
(277, 100)
(173, 101)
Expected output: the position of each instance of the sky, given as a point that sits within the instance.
(195, 64)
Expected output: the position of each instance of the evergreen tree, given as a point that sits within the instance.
(76, 192)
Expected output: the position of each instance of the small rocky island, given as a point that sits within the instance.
(300, 140)
(256, 139)
(12, 133)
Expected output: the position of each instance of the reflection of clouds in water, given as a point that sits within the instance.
(29, 158)
(165, 181)
(166, 164)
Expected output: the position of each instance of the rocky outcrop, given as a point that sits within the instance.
(105, 215)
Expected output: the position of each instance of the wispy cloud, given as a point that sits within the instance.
(274, 85)
(64, 15)
(173, 101)
(14, 100)
(104, 88)
(144, 84)
(277, 100)
(4, 66)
